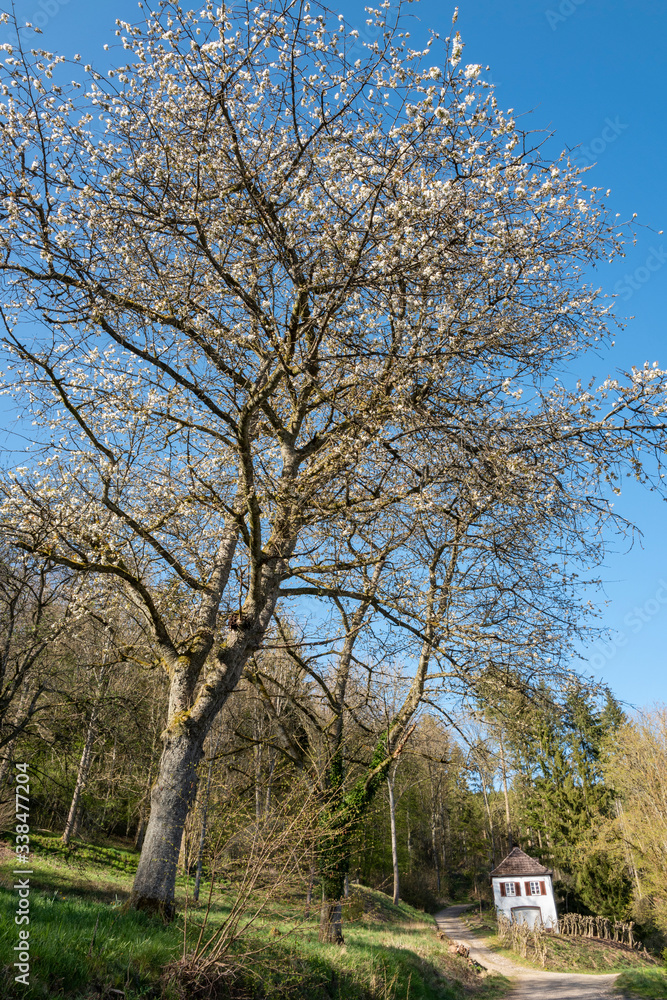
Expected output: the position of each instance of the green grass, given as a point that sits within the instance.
(94, 871)
(651, 983)
(390, 953)
(70, 957)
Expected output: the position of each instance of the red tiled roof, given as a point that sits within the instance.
(519, 863)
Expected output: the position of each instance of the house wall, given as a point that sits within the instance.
(546, 903)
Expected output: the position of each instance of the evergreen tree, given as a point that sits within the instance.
(565, 799)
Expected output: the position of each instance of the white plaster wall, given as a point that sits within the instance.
(547, 904)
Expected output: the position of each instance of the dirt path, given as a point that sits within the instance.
(529, 985)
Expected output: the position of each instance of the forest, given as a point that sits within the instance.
(566, 775)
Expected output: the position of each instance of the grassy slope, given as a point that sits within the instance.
(651, 983)
(391, 953)
(569, 954)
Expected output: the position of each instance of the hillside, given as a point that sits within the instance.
(86, 946)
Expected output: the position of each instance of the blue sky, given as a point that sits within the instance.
(593, 72)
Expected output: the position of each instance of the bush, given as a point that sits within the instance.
(417, 891)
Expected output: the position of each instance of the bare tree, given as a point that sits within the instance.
(39, 607)
(100, 674)
(391, 776)
(456, 598)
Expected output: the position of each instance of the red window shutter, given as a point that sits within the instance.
(502, 888)
(526, 886)
(517, 886)
(543, 888)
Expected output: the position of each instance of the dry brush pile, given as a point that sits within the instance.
(532, 942)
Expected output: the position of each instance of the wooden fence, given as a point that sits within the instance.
(532, 943)
(575, 925)
(521, 939)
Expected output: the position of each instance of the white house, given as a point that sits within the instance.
(523, 890)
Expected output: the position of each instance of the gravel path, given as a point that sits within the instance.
(529, 985)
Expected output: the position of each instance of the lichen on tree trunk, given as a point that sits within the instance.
(171, 798)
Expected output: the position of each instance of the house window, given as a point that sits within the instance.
(535, 888)
(509, 889)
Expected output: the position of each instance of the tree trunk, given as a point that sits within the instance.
(489, 819)
(74, 815)
(257, 759)
(331, 919)
(309, 892)
(510, 839)
(334, 859)
(269, 783)
(394, 844)
(139, 835)
(143, 808)
(618, 807)
(171, 798)
(76, 824)
(434, 843)
(345, 816)
(334, 863)
(5, 767)
(8, 748)
(202, 839)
